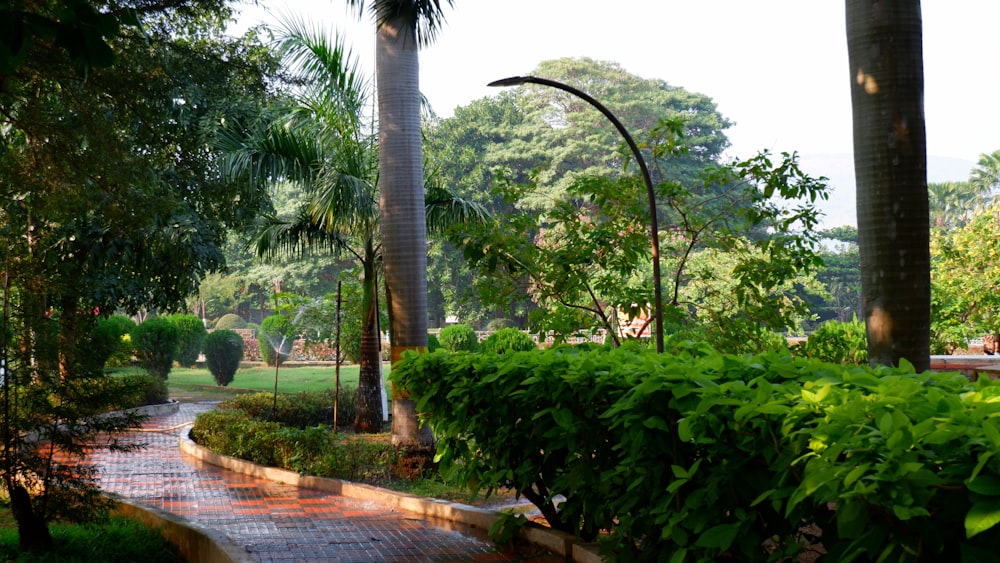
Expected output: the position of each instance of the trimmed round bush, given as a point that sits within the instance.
(275, 339)
(112, 341)
(223, 352)
(497, 324)
(192, 334)
(229, 322)
(155, 342)
(507, 340)
(458, 338)
(106, 338)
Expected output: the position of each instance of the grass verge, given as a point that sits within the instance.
(115, 539)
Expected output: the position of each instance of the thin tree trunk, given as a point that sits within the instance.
(32, 530)
(368, 416)
(890, 163)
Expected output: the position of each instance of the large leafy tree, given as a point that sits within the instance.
(885, 53)
(543, 140)
(965, 275)
(402, 27)
(111, 197)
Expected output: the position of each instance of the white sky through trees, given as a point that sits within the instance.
(777, 68)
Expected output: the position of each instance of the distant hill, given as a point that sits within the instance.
(839, 168)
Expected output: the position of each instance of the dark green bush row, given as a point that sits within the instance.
(300, 410)
(695, 455)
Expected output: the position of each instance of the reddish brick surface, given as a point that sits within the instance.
(277, 522)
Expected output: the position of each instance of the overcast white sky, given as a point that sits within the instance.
(777, 68)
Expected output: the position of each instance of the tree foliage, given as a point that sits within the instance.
(111, 196)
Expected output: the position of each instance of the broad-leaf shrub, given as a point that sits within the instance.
(507, 340)
(223, 352)
(458, 338)
(155, 342)
(696, 455)
(837, 342)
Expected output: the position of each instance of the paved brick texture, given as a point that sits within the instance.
(282, 523)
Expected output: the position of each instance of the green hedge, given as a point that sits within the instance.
(694, 455)
(245, 428)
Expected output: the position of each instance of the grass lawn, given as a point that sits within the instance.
(197, 384)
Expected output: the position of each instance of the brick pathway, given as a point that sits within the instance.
(281, 523)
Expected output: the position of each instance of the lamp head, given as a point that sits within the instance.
(512, 81)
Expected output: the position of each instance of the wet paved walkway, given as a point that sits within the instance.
(277, 522)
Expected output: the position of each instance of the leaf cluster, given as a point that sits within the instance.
(696, 455)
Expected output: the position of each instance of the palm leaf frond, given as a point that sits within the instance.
(298, 237)
(446, 209)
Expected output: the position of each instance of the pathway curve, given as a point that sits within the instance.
(277, 522)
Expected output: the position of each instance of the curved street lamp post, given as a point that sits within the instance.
(653, 228)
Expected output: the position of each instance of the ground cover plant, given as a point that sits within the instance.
(294, 432)
(695, 455)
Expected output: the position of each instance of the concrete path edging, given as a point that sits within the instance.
(195, 543)
(555, 541)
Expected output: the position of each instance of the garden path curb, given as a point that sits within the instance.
(557, 542)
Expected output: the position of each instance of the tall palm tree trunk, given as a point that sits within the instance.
(890, 163)
(401, 204)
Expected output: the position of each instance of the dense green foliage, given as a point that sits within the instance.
(458, 338)
(223, 353)
(191, 335)
(230, 321)
(965, 273)
(838, 343)
(507, 340)
(275, 338)
(700, 456)
(155, 341)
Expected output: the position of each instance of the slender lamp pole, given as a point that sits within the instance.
(654, 234)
